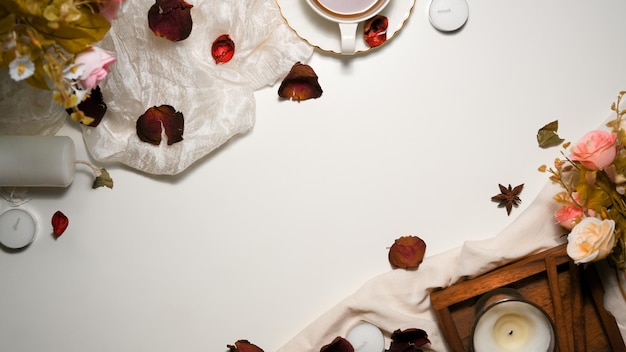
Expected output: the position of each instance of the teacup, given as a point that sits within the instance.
(348, 14)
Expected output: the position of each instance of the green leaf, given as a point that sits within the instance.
(547, 135)
(104, 180)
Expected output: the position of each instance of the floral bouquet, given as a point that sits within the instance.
(593, 201)
(50, 45)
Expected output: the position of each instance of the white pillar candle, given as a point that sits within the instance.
(513, 326)
(45, 161)
(366, 337)
(17, 228)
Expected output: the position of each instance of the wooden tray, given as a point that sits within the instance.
(571, 295)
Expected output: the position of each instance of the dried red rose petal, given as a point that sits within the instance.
(244, 346)
(151, 124)
(170, 19)
(408, 340)
(59, 223)
(300, 84)
(223, 49)
(375, 30)
(93, 106)
(339, 344)
(407, 252)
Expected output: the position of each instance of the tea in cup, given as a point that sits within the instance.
(348, 14)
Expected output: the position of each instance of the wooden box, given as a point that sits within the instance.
(571, 295)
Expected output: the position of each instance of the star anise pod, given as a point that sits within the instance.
(508, 197)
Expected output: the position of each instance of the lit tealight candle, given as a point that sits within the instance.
(513, 325)
(17, 228)
(366, 337)
(46, 161)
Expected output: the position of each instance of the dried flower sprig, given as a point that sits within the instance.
(50, 45)
(592, 175)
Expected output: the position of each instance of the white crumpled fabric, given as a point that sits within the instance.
(217, 100)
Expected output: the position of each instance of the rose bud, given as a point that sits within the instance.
(59, 223)
(93, 106)
(339, 344)
(375, 30)
(408, 340)
(170, 19)
(158, 118)
(223, 49)
(300, 84)
(244, 346)
(407, 252)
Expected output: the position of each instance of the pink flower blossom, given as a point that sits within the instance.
(110, 8)
(596, 150)
(96, 64)
(569, 215)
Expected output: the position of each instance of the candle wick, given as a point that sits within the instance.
(363, 344)
(510, 332)
(16, 223)
(96, 171)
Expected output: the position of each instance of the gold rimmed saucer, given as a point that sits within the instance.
(324, 34)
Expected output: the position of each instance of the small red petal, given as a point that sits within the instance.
(300, 84)
(170, 19)
(223, 49)
(151, 124)
(244, 346)
(407, 252)
(375, 30)
(339, 344)
(59, 223)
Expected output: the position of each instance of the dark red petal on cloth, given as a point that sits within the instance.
(93, 106)
(407, 252)
(375, 30)
(223, 49)
(171, 19)
(59, 223)
(339, 344)
(300, 84)
(408, 340)
(244, 346)
(151, 124)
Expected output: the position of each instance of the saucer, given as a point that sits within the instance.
(324, 34)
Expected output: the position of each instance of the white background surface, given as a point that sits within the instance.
(258, 239)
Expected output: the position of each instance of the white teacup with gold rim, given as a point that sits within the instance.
(348, 14)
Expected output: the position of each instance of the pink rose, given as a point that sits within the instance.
(110, 8)
(95, 63)
(596, 150)
(569, 215)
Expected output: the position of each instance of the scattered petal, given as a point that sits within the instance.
(408, 340)
(93, 107)
(170, 19)
(339, 344)
(300, 84)
(21, 68)
(375, 30)
(244, 346)
(223, 49)
(151, 124)
(59, 223)
(407, 252)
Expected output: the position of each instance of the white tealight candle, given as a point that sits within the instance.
(46, 161)
(17, 228)
(448, 15)
(513, 326)
(366, 337)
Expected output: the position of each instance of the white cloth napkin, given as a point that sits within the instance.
(400, 299)
(216, 100)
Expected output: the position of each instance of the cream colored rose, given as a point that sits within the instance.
(590, 240)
